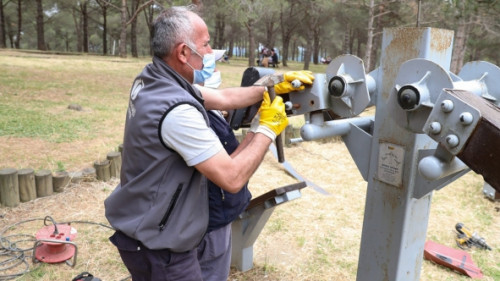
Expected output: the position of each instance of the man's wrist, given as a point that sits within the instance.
(266, 131)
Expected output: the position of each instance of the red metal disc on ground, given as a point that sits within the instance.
(52, 252)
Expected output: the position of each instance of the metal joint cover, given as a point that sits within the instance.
(452, 127)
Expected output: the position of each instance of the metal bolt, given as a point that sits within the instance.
(408, 97)
(337, 86)
(447, 106)
(435, 128)
(452, 141)
(296, 83)
(466, 118)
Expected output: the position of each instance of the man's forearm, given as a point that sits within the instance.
(231, 173)
(248, 138)
(231, 98)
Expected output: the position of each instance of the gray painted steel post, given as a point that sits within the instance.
(395, 223)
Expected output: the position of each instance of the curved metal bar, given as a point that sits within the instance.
(38, 243)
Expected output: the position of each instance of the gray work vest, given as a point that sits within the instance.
(160, 201)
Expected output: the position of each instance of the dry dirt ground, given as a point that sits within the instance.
(315, 237)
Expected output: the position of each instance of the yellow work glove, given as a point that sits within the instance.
(272, 120)
(294, 81)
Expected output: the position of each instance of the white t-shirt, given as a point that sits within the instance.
(185, 130)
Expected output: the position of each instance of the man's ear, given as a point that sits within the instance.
(182, 52)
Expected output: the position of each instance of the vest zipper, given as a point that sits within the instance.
(223, 195)
(163, 221)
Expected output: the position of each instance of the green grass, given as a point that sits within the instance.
(35, 122)
(33, 97)
(35, 90)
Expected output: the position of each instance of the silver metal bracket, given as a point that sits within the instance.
(451, 122)
(251, 222)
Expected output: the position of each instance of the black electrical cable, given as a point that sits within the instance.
(90, 222)
(17, 255)
(56, 231)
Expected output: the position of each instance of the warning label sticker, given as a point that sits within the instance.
(390, 163)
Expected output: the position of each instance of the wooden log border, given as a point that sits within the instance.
(24, 185)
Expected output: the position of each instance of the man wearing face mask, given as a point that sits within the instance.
(214, 252)
(160, 207)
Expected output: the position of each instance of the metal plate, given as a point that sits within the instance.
(352, 67)
(412, 72)
(450, 121)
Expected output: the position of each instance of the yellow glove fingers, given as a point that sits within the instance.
(304, 76)
(266, 99)
(286, 87)
(273, 116)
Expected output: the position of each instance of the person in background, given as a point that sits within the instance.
(160, 207)
(274, 58)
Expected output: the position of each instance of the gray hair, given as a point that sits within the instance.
(171, 27)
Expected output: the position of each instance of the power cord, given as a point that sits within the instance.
(13, 255)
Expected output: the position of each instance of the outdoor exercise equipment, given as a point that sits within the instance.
(251, 222)
(427, 126)
(248, 226)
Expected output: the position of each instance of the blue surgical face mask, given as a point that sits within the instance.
(208, 67)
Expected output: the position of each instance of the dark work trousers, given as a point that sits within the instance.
(156, 265)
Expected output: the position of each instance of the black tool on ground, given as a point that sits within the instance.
(85, 276)
(466, 238)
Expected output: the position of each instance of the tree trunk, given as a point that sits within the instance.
(104, 12)
(285, 40)
(269, 33)
(311, 24)
(10, 34)
(104, 30)
(369, 36)
(85, 27)
(148, 14)
(78, 28)
(3, 39)
(123, 32)
(133, 38)
(66, 41)
(347, 40)
(251, 47)
(231, 46)
(316, 44)
(308, 51)
(39, 26)
(459, 45)
(133, 30)
(219, 31)
(288, 24)
(19, 24)
(284, 55)
(358, 45)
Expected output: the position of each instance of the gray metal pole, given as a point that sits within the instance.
(395, 223)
